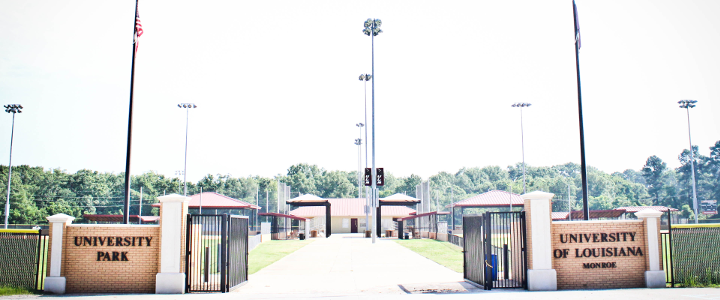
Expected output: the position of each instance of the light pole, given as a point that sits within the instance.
(10, 108)
(522, 137)
(187, 107)
(358, 142)
(372, 29)
(365, 78)
(687, 105)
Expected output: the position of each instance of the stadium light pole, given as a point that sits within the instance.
(358, 142)
(522, 137)
(10, 108)
(687, 105)
(372, 29)
(365, 78)
(187, 107)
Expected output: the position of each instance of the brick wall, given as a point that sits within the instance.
(628, 271)
(85, 274)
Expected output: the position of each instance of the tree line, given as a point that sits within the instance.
(37, 192)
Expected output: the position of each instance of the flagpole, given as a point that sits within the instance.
(583, 166)
(126, 205)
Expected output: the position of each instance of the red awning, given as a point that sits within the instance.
(282, 216)
(425, 214)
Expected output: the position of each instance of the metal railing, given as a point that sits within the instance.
(456, 240)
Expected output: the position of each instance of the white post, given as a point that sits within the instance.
(654, 277)
(171, 279)
(540, 274)
(55, 283)
(140, 206)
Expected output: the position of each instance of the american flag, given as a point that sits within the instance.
(138, 28)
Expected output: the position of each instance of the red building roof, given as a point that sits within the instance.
(349, 207)
(490, 199)
(594, 214)
(119, 218)
(215, 200)
(633, 209)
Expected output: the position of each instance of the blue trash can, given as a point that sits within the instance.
(494, 264)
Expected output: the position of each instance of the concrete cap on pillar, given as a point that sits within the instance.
(648, 213)
(173, 198)
(60, 218)
(537, 195)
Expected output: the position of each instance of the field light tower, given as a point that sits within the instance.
(13, 109)
(187, 107)
(372, 29)
(522, 137)
(687, 105)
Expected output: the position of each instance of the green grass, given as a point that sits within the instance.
(9, 291)
(269, 252)
(443, 253)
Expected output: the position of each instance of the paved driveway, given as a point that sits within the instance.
(347, 264)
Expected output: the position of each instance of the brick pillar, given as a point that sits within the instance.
(654, 276)
(540, 275)
(173, 216)
(55, 282)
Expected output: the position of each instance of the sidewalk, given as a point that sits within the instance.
(348, 264)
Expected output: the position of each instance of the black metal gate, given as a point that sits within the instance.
(23, 258)
(217, 252)
(495, 249)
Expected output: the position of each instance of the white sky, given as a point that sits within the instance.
(276, 83)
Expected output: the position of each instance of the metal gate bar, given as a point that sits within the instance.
(204, 263)
(473, 249)
(237, 252)
(217, 251)
(505, 261)
(495, 253)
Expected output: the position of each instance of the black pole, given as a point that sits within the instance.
(328, 219)
(378, 220)
(583, 166)
(126, 204)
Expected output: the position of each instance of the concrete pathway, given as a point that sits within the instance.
(348, 264)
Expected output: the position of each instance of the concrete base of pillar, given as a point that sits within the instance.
(542, 280)
(170, 283)
(55, 285)
(655, 279)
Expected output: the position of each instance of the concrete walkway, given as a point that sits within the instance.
(348, 264)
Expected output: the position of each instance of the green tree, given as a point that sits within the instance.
(653, 173)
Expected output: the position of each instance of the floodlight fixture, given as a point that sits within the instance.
(521, 104)
(687, 103)
(13, 108)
